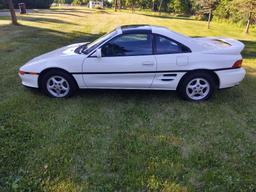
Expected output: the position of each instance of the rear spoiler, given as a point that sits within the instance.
(222, 45)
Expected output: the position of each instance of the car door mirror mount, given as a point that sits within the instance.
(98, 53)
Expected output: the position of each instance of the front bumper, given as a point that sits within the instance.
(29, 80)
(231, 77)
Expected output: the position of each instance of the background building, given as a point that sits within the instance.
(94, 4)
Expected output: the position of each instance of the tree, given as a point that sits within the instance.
(224, 10)
(160, 7)
(12, 11)
(207, 6)
(180, 6)
(116, 4)
(164, 5)
(144, 4)
(131, 3)
(154, 6)
(246, 7)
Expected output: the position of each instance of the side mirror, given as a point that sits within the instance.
(98, 53)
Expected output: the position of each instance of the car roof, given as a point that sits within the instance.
(140, 27)
(144, 28)
(136, 28)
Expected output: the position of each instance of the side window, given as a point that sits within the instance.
(166, 46)
(128, 45)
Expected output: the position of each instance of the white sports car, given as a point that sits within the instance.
(139, 57)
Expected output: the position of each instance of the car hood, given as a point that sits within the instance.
(61, 52)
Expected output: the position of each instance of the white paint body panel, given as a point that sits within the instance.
(160, 71)
(63, 58)
(120, 64)
(231, 77)
(29, 80)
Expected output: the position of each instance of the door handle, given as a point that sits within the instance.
(148, 63)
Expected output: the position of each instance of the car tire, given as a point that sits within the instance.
(58, 84)
(197, 86)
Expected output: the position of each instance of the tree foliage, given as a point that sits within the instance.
(243, 11)
(40, 4)
(205, 6)
(247, 9)
(244, 7)
(224, 9)
(63, 1)
(180, 6)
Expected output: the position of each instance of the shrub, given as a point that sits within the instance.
(98, 7)
(80, 2)
(200, 17)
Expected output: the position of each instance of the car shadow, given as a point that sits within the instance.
(126, 94)
(118, 95)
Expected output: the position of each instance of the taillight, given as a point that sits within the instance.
(237, 64)
(22, 72)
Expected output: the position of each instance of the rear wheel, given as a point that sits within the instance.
(198, 86)
(58, 84)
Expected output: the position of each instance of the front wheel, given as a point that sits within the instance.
(58, 84)
(198, 86)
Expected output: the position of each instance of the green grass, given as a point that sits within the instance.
(120, 140)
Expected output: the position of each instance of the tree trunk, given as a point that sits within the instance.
(119, 5)
(160, 7)
(133, 7)
(12, 11)
(209, 18)
(115, 5)
(248, 23)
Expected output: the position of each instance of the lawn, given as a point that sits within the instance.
(120, 140)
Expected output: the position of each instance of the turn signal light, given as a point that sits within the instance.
(22, 72)
(237, 64)
(28, 73)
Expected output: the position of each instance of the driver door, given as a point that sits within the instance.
(127, 61)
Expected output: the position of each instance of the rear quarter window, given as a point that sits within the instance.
(164, 45)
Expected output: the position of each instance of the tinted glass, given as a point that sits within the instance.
(166, 46)
(100, 40)
(128, 45)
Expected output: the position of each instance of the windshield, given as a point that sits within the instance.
(98, 41)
